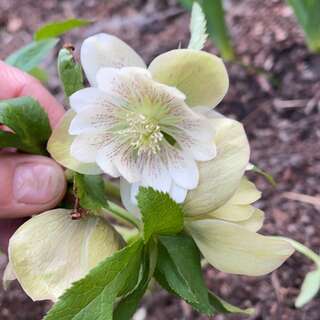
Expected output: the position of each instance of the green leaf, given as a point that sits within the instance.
(179, 266)
(91, 192)
(198, 28)
(70, 72)
(179, 272)
(128, 305)
(93, 297)
(310, 287)
(160, 214)
(40, 74)
(31, 55)
(222, 306)
(308, 15)
(57, 28)
(187, 3)
(265, 174)
(217, 27)
(29, 123)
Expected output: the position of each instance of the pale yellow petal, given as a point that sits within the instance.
(255, 222)
(220, 177)
(232, 212)
(247, 193)
(59, 148)
(201, 76)
(234, 249)
(8, 276)
(50, 251)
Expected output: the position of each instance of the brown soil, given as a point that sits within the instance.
(277, 100)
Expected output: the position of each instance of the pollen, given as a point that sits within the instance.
(143, 133)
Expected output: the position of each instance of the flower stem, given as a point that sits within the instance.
(112, 189)
(304, 250)
(122, 214)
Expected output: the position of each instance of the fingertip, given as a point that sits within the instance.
(32, 184)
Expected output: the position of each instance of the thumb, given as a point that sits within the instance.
(29, 185)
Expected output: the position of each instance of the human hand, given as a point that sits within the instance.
(29, 184)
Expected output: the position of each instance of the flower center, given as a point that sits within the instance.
(143, 133)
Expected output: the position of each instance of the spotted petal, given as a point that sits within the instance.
(201, 76)
(59, 148)
(234, 249)
(44, 267)
(104, 50)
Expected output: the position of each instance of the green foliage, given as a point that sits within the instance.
(308, 15)
(90, 191)
(216, 25)
(160, 214)
(57, 28)
(70, 72)
(179, 266)
(94, 296)
(128, 305)
(311, 284)
(40, 74)
(29, 123)
(310, 288)
(198, 28)
(29, 57)
(179, 272)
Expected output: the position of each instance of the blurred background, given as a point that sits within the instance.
(274, 90)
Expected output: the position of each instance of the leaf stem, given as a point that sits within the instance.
(122, 214)
(304, 250)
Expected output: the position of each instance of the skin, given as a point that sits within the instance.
(29, 184)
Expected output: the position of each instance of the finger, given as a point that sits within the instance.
(29, 185)
(18, 83)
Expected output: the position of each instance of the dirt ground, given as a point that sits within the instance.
(277, 99)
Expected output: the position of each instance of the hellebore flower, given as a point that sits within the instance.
(138, 123)
(50, 251)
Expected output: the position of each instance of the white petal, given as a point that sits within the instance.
(104, 50)
(183, 169)
(127, 165)
(124, 83)
(95, 118)
(86, 145)
(134, 192)
(51, 251)
(155, 174)
(105, 158)
(234, 249)
(177, 193)
(203, 151)
(125, 192)
(86, 98)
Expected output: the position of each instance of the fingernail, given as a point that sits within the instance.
(36, 183)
